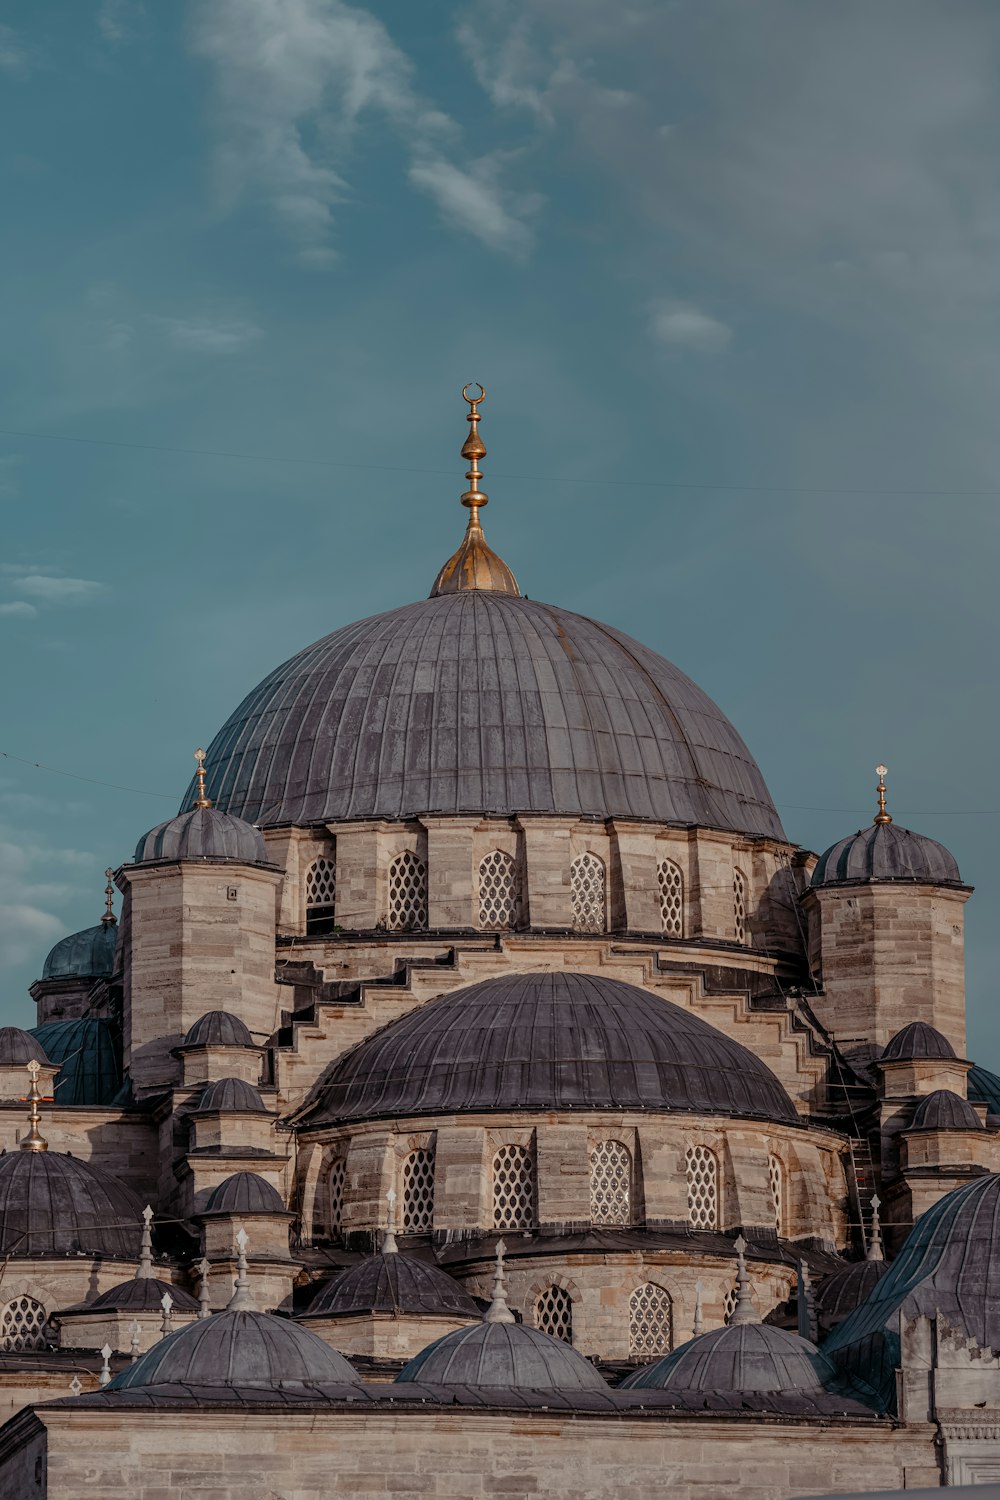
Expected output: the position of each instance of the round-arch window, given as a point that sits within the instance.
(22, 1325)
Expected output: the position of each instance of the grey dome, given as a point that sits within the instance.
(239, 1349)
(140, 1294)
(396, 1284)
(945, 1110)
(51, 1204)
(983, 1087)
(508, 1355)
(87, 1050)
(203, 833)
(244, 1193)
(917, 1040)
(743, 1357)
(842, 1291)
(547, 1041)
(18, 1048)
(89, 954)
(483, 702)
(232, 1096)
(885, 851)
(218, 1028)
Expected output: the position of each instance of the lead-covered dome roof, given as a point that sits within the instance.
(917, 1040)
(218, 1028)
(87, 1051)
(507, 1355)
(235, 1348)
(203, 833)
(740, 1357)
(89, 954)
(885, 851)
(395, 1284)
(18, 1048)
(483, 702)
(547, 1041)
(55, 1204)
(945, 1110)
(243, 1193)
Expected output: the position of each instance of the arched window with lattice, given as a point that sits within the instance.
(588, 893)
(650, 1321)
(335, 1178)
(776, 1182)
(671, 883)
(514, 1188)
(703, 1187)
(729, 1303)
(554, 1313)
(611, 1183)
(22, 1325)
(418, 1191)
(407, 892)
(499, 892)
(740, 905)
(321, 895)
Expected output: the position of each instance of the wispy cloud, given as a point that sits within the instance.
(117, 20)
(204, 336)
(50, 588)
(472, 200)
(15, 56)
(28, 922)
(18, 609)
(680, 325)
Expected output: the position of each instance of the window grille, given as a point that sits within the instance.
(513, 1188)
(554, 1313)
(703, 1188)
(650, 1321)
(587, 890)
(740, 905)
(418, 1191)
(407, 892)
(321, 895)
(610, 1183)
(22, 1325)
(498, 892)
(776, 1182)
(335, 1194)
(729, 1304)
(671, 883)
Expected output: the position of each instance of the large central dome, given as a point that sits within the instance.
(484, 702)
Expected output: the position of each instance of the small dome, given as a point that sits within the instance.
(51, 1204)
(232, 1096)
(509, 1355)
(842, 1291)
(742, 1357)
(393, 1283)
(983, 1087)
(244, 1193)
(89, 954)
(140, 1294)
(86, 1051)
(917, 1040)
(218, 1028)
(885, 851)
(203, 833)
(944, 1110)
(18, 1048)
(235, 1348)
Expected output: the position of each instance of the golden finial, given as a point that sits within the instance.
(201, 800)
(475, 565)
(881, 816)
(34, 1140)
(109, 896)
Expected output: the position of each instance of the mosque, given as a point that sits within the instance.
(477, 1094)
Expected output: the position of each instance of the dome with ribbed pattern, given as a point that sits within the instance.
(218, 1028)
(917, 1041)
(89, 954)
(508, 1355)
(203, 833)
(945, 1110)
(234, 1348)
(232, 1096)
(884, 851)
(244, 1193)
(18, 1048)
(55, 1204)
(399, 1285)
(743, 1357)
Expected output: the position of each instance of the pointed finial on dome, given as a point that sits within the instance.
(201, 800)
(145, 1270)
(874, 1251)
(105, 1376)
(167, 1325)
(389, 1246)
(805, 1304)
(881, 816)
(134, 1336)
(241, 1299)
(698, 1325)
(498, 1311)
(475, 566)
(204, 1269)
(34, 1140)
(744, 1311)
(109, 917)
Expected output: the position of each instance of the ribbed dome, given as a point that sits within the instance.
(18, 1048)
(547, 1041)
(840, 1293)
(203, 833)
(140, 1294)
(232, 1096)
(89, 954)
(509, 1355)
(743, 1357)
(483, 702)
(86, 1050)
(244, 1193)
(51, 1204)
(983, 1087)
(945, 1110)
(884, 851)
(217, 1028)
(239, 1349)
(917, 1040)
(393, 1283)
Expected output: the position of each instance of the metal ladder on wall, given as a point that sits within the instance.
(863, 1184)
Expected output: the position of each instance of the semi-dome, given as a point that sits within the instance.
(89, 1060)
(235, 1348)
(483, 702)
(983, 1087)
(547, 1041)
(52, 1204)
(508, 1355)
(203, 833)
(232, 1096)
(244, 1193)
(218, 1028)
(18, 1048)
(917, 1041)
(394, 1284)
(884, 851)
(743, 1357)
(842, 1291)
(89, 954)
(945, 1110)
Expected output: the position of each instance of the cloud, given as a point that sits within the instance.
(18, 609)
(679, 325)
(28, 925)
(202, 336)
(48, 588)
(15, 57)
(473, 201)
(116, 20)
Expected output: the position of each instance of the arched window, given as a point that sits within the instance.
(776, 1182)
(499, 895)
(610, 1183)
(671, 883)
(418, 1191)
(703, 1188)
(650, 1321)
(335, 1194)
(554, 1313)
(22, 1325)
(407, 892)
(587, 891)
(513, 1188)
(740, 905)
(321, 895)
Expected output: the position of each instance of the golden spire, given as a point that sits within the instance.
(201, 800)
(34, 1140)
(881, 816)
(109, 896)
(474, 565)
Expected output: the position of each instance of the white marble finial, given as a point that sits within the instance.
(241, 1300)
(389, 1246)
(744, 1311)
(204, 1269)
(105, 1375)
(874, 1251)
(145, 1271)
(498, 1311)
(166, 1302)
(134, 1334)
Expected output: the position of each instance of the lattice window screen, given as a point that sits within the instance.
(740, 905)
(703, 1188)
(776, 1182)
(513, 1188)
(499, 892)
(671, 883)
(554, 1313)
(335, 1194)
(321, 894)
(610, 1183)
(407, 892)
(587, 890)
(650, 1321)
(729, 1303)
(22, 1325)
(418, 1191)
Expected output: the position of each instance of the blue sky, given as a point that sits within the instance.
(729, 271)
